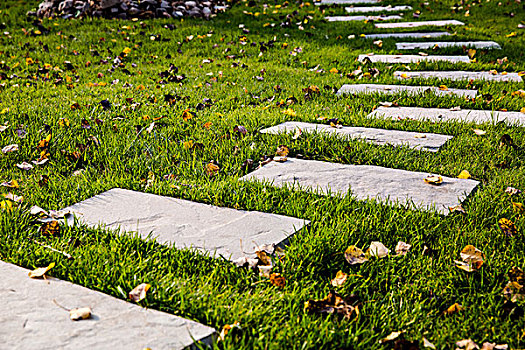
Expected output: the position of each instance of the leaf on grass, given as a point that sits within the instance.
(378, 250)
(212, 169)
(340, 279)
(452, 309)
(355, 255)
(390, 337)
(139, 292)
(229, 328)
(518, 207)
(507, 227)
(282, 151)
(80, 313)
(50, 228)
(428, 344)
(10, 148)
(479, 132)
(277, 280)
(494, 346)
(467, 344)
(512, 191)
(264, 259)
(434, 180)
(471, 53)
(457, 209)
(41, 271)
(472, 259)
(402, 248)
(332, 304)
(464, 175)
(24, 166)
(513, 290)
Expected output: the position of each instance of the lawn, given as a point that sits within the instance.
(153, 121)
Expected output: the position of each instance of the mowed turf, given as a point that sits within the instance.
(255, 70)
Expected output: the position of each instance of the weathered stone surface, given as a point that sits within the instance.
(31, 319)
(406, 35)
(441, 44)
(394, 89)
(443, 115)
(366, 182)
(412, 58)
(361, 18)
(420, 24)
(458, 75)
(187, 224)
(365, 9)
(346, 2)
(423, 141)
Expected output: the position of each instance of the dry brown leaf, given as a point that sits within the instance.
(227, 329)
(332, 304)
(355, 255)
(277, 280)
(457, 208)
(80, 313)
(41, 271)
(467, 344)
(212, 169)
(340, 279)
(139, 292)
(452, 309)
(50, 228)
(282, 151)
(472, 259)
(518, 207)
(264, 259)
(402, 248)
(378, 250)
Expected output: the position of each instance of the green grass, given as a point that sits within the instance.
(407, 293)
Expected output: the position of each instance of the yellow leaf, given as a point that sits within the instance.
(334, 70)
(454, 308)
(126, 50)
(471, 53)
(212, 169)
(507, 227)
(139, 292)
(404, 76)
(464, 175)
(433, 180)
(518, 207)
(511, 34)
(443, 87)
(355, 255)
(522, 110)
(41, 271)
(282, 151)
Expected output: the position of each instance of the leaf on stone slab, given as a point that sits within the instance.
(507, 227)
(402, 248)
(434, 180)
(278, 280)
(464, 175)
(139, 292)
(41, 271)
(452, 309)
(340, 279)
(479, 132)
(378, 250)
(443, 87)
(82, 313)
(355, 255)
(332, 304)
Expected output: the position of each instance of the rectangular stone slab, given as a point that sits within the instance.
(365, 9)
(31, 320)
(404, 59)
(361, 18)
(420, 24)
(394, 89)
(346, 2)
(366, 182)
(441, 44)
(458, 75)
(421, 141)
(406, 35)
(443, 115)
(185, 223)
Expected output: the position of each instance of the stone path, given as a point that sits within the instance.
(458, 75)
(377, 9)
(423, 141)
(407, 35)
(366, 181)
(346, 2)
(394, 89)
(227, 232)
(442, 115)
(442, 44)
(441, 23)
(31, 319)
(412, 58)
(361, 18)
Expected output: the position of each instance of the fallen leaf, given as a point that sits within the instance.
(41, 271)
(479, 132)
(464, 175)
(50, 228)
(472, 259)
(467, 344)
(433, 180)
(340, 279)
(227, 329)
(378, 250)
(518, 207)
(494, 346)
(428, 344)
(80, 313)
(332, 304)
(212, 169)
(24, 166)
(282, 151)
(402, 248)
(277, 280)
(355, 255)
(457, 208)
(390, 337)
(10, 148)
(512, 191)
(507, 227)
(443, 87)
(471, 53)
(454, 308)
(139, 292)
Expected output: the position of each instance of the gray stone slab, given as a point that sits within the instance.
(365, 9)
(346, 2)
(458, 75)
(366, 182)
(395, 89)
(442, 44)
(31, 320)
(421, 141)
(361, 18)
(441, 23)
(413, 58)
(227, 232)
(407, 35)
(444, 115)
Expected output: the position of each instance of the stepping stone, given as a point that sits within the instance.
(394, 89)
(31, 319)
(442, 44)
(420, 24)
(366, 182)
(406, 35)
(423, 141)
(377, 9)
(346, 2)
(361, 18)
(444, 115)
(187, 224)
(459, 75)
(412, 58)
